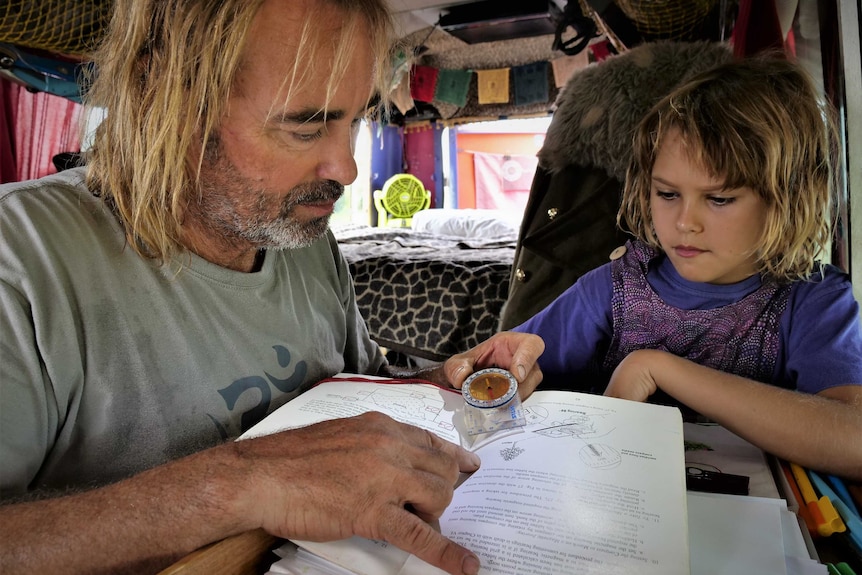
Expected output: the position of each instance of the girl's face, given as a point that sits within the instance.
(708, 233)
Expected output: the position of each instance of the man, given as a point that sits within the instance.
(144, 328)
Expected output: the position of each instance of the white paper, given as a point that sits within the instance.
(590, 485)
(712, 447)
(732, 534)
(423, 405)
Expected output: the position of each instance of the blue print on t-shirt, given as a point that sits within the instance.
(232, 393)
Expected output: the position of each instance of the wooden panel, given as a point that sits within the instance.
(243, 554)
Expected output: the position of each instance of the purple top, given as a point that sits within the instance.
(739, 338)
(819, 331)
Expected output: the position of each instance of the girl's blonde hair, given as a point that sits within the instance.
(757, 123)
(164, 74)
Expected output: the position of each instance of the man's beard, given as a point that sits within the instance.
(233, 209)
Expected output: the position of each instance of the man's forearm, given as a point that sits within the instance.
(138, 525)
(433, 373)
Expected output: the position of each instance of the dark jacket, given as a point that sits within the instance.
(569, 224)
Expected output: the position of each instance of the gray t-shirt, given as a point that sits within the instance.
(111, 364)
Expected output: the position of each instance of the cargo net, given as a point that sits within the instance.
(63, 26)
(678, 20)
(668, 19)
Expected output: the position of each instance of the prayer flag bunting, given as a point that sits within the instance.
(567, 65)
(531, 83)
(452, 86)
(493, 86)
(400, 96)
(423, 82)
(600, 50)
(400, 69)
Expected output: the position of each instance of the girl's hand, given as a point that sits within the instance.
(516, 352)
(633, 378)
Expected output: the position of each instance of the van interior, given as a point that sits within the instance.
(458, 206)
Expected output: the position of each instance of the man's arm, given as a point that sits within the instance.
(819, 431)
(367, 475)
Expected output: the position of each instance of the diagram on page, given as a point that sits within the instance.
(415, 405)
(423, 407)
(588, 427)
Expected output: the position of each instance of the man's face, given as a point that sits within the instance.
(240, 209)
(273, 171)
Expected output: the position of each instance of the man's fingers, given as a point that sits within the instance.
(434, 454)
(468, 462)
(434, 468)
(410, 533)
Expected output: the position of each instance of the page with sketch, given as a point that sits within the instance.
(423, 405)
(595, 485)
(590, 485)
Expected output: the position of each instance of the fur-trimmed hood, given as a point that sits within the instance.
(600, 105)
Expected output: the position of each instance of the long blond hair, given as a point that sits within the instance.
(164, 74)
(757, 123)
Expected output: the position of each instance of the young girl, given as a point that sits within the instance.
(719, 302)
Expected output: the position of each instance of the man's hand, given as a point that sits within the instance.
(633, 378)
(516, 352)
(368, 475)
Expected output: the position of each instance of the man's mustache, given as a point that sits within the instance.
(315, 193)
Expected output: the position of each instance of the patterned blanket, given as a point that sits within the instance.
(425, 295)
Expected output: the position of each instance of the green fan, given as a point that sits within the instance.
(402, 196)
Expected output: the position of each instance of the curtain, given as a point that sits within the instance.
(503, 181)
(757, 28)
(8, 103)
(34, 128)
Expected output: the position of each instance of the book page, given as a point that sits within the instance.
(361, 556)
(423, 405)
(591, 485)
(594, 485)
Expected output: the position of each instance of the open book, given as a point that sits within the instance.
(591, 484)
